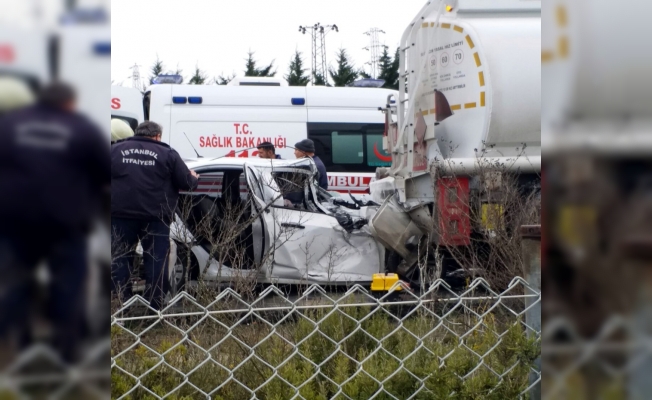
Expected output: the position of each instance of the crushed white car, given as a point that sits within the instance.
(268, 221)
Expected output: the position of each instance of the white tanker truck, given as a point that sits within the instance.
(467, 113)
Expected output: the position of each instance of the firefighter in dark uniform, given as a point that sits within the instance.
(146, 177)
(54, 164)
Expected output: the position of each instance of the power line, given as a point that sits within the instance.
(375, 49)
(318, 34)
(135, 77)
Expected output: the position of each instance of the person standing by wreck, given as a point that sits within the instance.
(146, 177)
(306, 148)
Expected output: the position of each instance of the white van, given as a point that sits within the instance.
(24, 54)
(214, 121)
(127, 105)
(85, 62)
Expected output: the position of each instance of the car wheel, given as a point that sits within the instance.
(412, 274)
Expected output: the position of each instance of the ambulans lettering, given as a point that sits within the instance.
(345, 183)
(240, 142)
(242, 129)
(115, 104)
(250, 142)
(215, 141)
(7, 53)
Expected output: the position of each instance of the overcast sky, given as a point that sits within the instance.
(217, 34)
(43, 13)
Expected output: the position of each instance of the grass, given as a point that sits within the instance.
(325, 355)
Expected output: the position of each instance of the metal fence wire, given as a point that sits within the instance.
(319, 344)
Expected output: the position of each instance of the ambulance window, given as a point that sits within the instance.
(31, 81)
(376, 156)
(347, 147)
(244, 189)
(210, 184)
(130, 121)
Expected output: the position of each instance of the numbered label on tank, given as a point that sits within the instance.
(454, 67)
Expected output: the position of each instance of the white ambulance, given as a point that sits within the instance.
(84, 55)
(231, 120)
(127, 105)
(24, 53)
(75, 50)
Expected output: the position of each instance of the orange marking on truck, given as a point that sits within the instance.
(458, 28)
(562, 47)
(482, 99)
(446, 26)
(477, 59)
(456, 107)
(470, 41)
(562, 18)
(481, 77)
(470, 105)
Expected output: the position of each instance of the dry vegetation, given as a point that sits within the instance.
(315, 351)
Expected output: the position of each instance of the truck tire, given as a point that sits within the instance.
(393, 259)
(413, 275)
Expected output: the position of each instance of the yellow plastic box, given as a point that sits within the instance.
(384, 282)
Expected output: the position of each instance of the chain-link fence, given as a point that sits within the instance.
(40, 373)
(615, 363)
(318, 344)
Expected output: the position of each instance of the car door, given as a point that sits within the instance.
(264, 195)
(313, 247)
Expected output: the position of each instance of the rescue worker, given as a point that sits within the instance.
(53, 165)
(120, 130)
(306, 148)
(266, 150)
(146, 177)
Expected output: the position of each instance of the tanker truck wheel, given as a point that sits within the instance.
(421, 274)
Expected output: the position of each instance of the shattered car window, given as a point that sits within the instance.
(292, 186)
(218, 215)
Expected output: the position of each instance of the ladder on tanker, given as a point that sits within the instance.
(406, 116)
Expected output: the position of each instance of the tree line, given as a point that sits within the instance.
(344, 73)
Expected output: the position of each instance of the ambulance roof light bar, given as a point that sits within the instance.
(372, 83)
(168, 79)
(81, 16)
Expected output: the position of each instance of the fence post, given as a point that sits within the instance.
(531, 251)
(637, 249)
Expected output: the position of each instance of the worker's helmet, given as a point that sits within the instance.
(14, 94)
(120, 130)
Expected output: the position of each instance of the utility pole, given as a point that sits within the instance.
(375, 48)
(135, 77)
(318, 34)
(70, 4)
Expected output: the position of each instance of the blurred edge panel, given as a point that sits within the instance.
(85, 62)
(42, 41)
(596, 81)
(24, 53)
(597, 136)
(75, 48)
